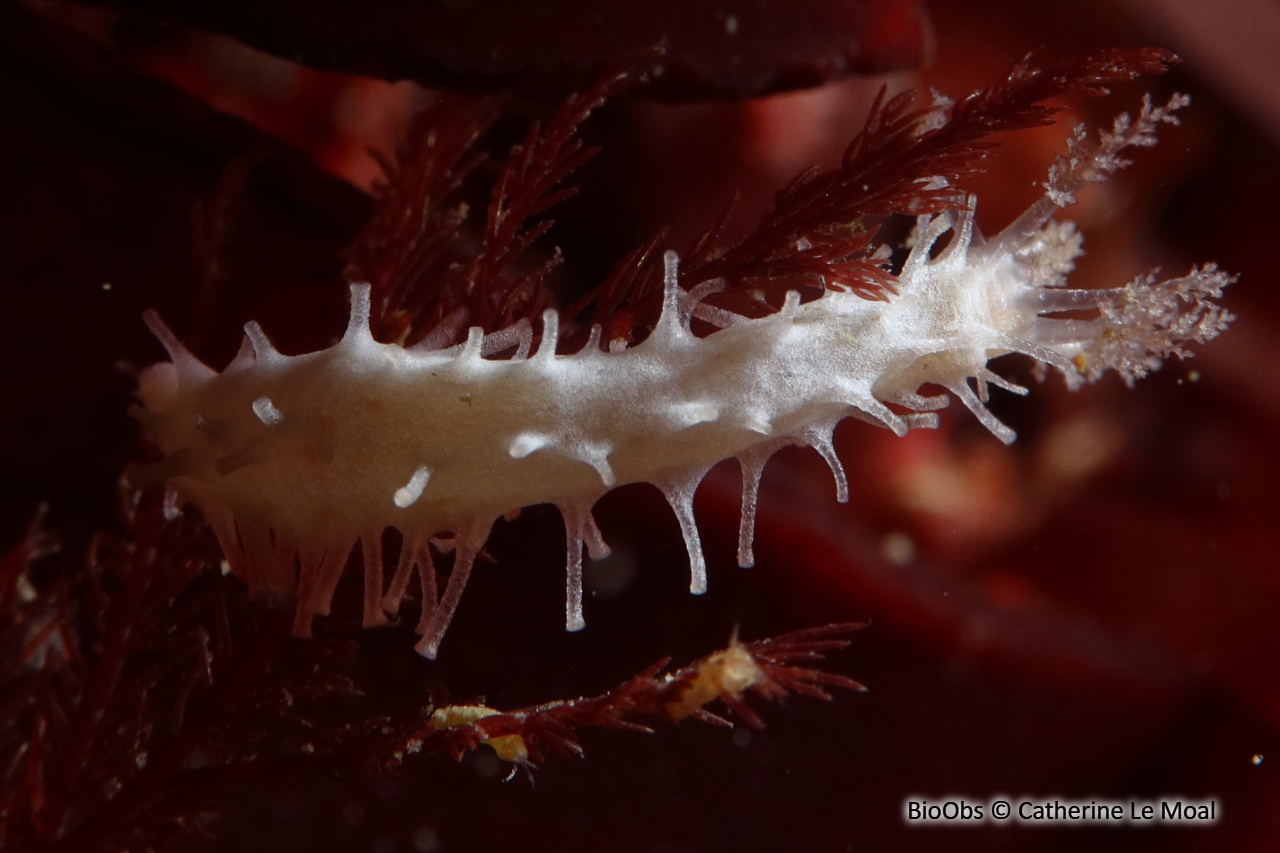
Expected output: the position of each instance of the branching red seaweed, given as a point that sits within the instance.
(429, 274)
(147, 690)
(770, 669)
(909, 160)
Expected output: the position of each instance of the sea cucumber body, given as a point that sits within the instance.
(295, 459)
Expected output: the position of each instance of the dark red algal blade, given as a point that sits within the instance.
(727, 48)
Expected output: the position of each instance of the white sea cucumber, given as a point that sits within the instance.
(295, 459)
